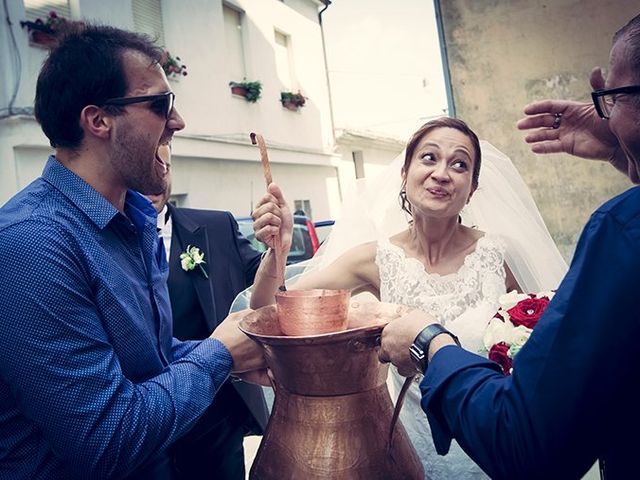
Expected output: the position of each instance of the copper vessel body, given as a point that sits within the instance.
(332, 413)
(312, 312)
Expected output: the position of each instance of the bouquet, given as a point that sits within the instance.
(511, 326)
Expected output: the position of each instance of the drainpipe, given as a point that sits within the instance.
(445, 59)
(326, 69)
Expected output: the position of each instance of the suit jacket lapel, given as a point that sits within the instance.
(187, 232)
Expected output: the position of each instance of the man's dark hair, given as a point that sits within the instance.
(85, 68)
(631, 33)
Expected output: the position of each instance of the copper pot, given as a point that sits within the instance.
(332, 414)
(312, 312)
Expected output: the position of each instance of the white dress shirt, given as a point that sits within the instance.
(164, 229)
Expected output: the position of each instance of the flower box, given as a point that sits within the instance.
(44, 33)
(292, 101)
(173, 66)
(249, 90)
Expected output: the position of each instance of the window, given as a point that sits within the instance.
(358, 163)
(284, 61)
(178, 199)
(234, 43)
(302, 207)
(35, 9)
(147, 18)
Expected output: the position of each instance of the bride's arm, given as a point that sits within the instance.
(272, 220)
(355, 270)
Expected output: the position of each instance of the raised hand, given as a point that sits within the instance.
(581, 132)
(272, 217)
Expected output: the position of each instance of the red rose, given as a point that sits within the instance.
(499, 354)
(527, 312)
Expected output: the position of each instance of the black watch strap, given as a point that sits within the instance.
(419, 349)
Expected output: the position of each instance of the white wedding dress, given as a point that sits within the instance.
(463, 302)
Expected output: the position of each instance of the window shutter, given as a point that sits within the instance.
(35, 9)
(147, 18)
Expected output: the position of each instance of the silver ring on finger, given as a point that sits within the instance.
(557, 119)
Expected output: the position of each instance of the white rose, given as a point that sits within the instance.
(186, 263)
(549, 294)
(497, 331)
(520, 335)
(509, 300)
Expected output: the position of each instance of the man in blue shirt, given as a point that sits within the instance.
(572, 396)
(92, 384)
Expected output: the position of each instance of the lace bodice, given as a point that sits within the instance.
(464, 302)
(404, 280)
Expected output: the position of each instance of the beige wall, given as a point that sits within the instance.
(505, 54)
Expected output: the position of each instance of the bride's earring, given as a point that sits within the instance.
(405, 204)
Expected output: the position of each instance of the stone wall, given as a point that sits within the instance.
(505, 54)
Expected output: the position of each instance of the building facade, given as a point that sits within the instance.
(277, 43)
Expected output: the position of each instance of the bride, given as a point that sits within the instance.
(439, 263)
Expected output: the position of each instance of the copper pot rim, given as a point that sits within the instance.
(375, 328)
(313, 293)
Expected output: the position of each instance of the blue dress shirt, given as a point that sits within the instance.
(92, 384)
(573, 396)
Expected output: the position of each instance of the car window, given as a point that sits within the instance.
(301, 247)
(246, 229)
(300, 243)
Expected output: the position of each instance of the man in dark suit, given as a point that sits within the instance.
(200, 300)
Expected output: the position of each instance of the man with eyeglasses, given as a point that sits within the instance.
(572, 396)
(92, 384)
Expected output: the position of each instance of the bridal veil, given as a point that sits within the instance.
(501, 205)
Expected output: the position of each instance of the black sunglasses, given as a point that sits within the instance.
(162, 104)
(604, 100)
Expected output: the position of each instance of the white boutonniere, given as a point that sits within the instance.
(191, 258)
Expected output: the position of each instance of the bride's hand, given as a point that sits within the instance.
(272, 217)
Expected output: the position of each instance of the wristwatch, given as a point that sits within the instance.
(420, 346)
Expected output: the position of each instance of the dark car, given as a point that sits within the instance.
(304, 243)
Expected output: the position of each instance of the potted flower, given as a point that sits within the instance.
(249, 90)
(44, 32)
(292, 101)
(173, 66)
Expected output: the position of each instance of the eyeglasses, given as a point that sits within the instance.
(162, 104)
(605, 100)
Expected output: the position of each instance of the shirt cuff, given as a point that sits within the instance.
(215, 357)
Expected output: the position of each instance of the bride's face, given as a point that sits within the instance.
(439, 177)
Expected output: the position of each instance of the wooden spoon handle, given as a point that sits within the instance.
(258, 139)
